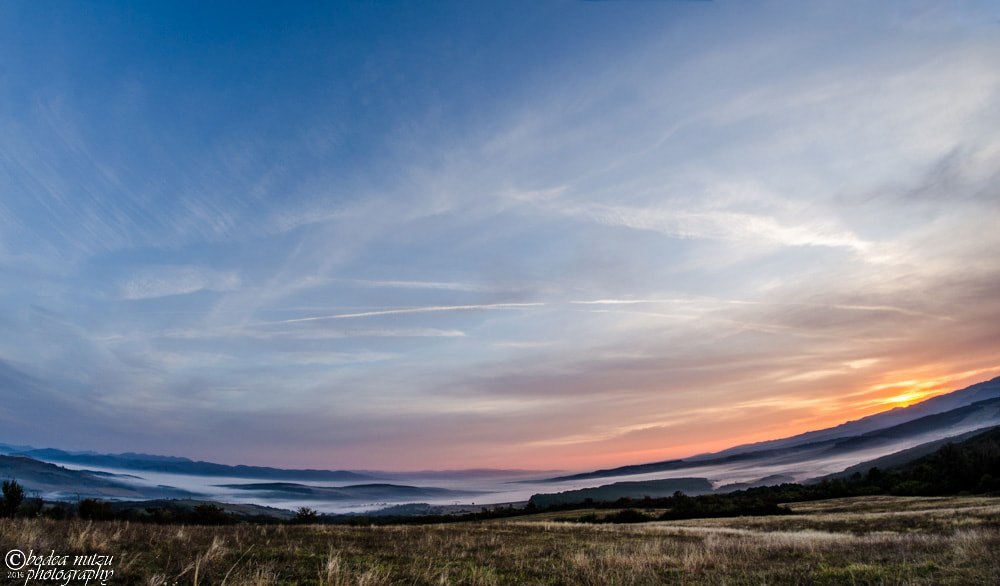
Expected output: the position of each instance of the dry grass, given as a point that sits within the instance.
(850, 541)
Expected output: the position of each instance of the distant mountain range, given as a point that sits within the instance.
(39, 472)
(946, 416)
(885, 439)
(356, 492)
(64, 484)
(984, 391)
(174, 465)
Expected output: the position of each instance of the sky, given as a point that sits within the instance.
(530, 234)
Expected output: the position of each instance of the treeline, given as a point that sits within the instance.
(484, 514)
(682, 506)
(968, 467)
(97, 510)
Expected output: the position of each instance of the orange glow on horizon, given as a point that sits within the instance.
(907, 399)
(912, 393)
(906, 389)
(918, 386)
(706, 430)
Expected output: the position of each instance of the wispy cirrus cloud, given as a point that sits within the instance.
(400, 311)
(433, 285)
(715, 303)
(163, 281)
(721, 225)
(266, 331)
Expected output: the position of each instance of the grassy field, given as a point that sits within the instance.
(870, 540)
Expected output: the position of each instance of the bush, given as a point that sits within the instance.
(209, 514)
(306, 515)
(94, 510)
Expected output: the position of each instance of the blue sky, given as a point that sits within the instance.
(464, 234)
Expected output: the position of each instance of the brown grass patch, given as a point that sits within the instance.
(879, 540)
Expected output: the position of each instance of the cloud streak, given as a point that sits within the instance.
(407, 310)
(717, 225)
(177, 280)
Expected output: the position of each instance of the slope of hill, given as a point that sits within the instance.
(58, 482)
(974, 408)
(940, 404)
(970, 465)
(904, 457)
(175, 465)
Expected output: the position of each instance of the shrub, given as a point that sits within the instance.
(209, 514)
(94, 510)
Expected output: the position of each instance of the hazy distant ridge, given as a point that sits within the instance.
(43, 477)
(175, 465)
(382, 492)
(900, 415)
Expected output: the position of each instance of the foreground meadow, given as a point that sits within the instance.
(870, 540)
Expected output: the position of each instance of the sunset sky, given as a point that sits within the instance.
(521, 234)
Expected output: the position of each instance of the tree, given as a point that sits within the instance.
(13, 496)
(306, 515)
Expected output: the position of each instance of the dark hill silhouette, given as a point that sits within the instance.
(175, 465)
(49, 478)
